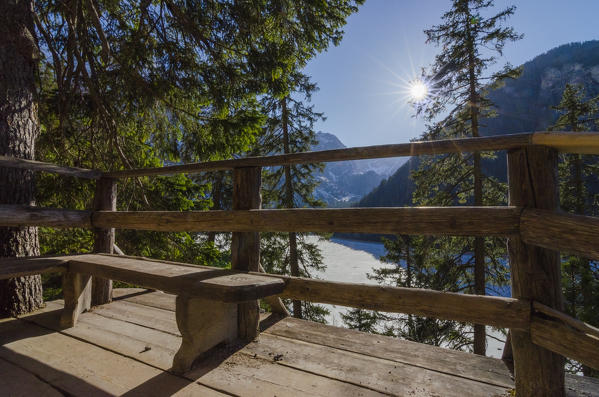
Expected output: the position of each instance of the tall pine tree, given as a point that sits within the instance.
(140, 84)
(290, 129)
(577, 172)
(470, 42)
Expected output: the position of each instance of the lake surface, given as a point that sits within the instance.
(351, 260)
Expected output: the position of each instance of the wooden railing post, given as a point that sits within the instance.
(245, 247)
(104, 199)
(535, 271)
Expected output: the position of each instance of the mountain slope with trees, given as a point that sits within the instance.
(522, 105)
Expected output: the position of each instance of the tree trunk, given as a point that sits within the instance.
(293, 257)
(19, 128)
(480, 337)
(408, 244)
(217, 193)
(294, 265)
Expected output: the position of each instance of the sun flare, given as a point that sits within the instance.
(418, 90)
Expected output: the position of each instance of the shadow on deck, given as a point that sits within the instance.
(126, 348)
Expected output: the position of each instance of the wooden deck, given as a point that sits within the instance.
(127, 347)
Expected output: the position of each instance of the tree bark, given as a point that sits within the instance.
(408, 243)
(19, 128)
(293, 257)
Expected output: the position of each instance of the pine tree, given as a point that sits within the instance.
(577, 172)
(412, 266)
(470, 43)
(290, 129)
(136, 85)
(361, 320)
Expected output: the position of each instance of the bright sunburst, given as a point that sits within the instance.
(418, 90)
(409, 88)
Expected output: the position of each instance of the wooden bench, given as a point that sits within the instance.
(207, 297)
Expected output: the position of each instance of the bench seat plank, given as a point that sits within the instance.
(178, 278)
(28, 266)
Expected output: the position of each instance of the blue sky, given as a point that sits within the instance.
(363, 81)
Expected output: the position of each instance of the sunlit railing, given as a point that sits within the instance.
(532, 223)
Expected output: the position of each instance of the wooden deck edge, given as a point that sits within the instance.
(495, 373)
(195, 375)
(573, 383)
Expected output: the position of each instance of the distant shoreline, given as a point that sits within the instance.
(375, 238)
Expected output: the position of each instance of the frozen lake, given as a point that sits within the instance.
(350, 261)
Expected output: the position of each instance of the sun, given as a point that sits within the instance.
(418, 90)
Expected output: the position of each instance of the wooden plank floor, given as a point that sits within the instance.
(126, 348)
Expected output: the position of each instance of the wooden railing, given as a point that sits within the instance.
(540, 332)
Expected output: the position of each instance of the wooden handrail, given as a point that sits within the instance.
(572, 142)
(20, 215)
(13, 162)
(568, 142)
(561, 231)
(465, 221)
(576, 234)
(479, 309)
(356, 153)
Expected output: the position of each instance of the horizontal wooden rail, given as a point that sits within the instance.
(488, 310)
(17, 215)
(466, 221)
(565, 232)
(356, 153)
(12, 162)
(565, 335)
(573, 142)
(578, 142)
(569, 142)
(558, 231)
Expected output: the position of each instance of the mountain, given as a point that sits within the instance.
(344, 182)
(523, 105)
